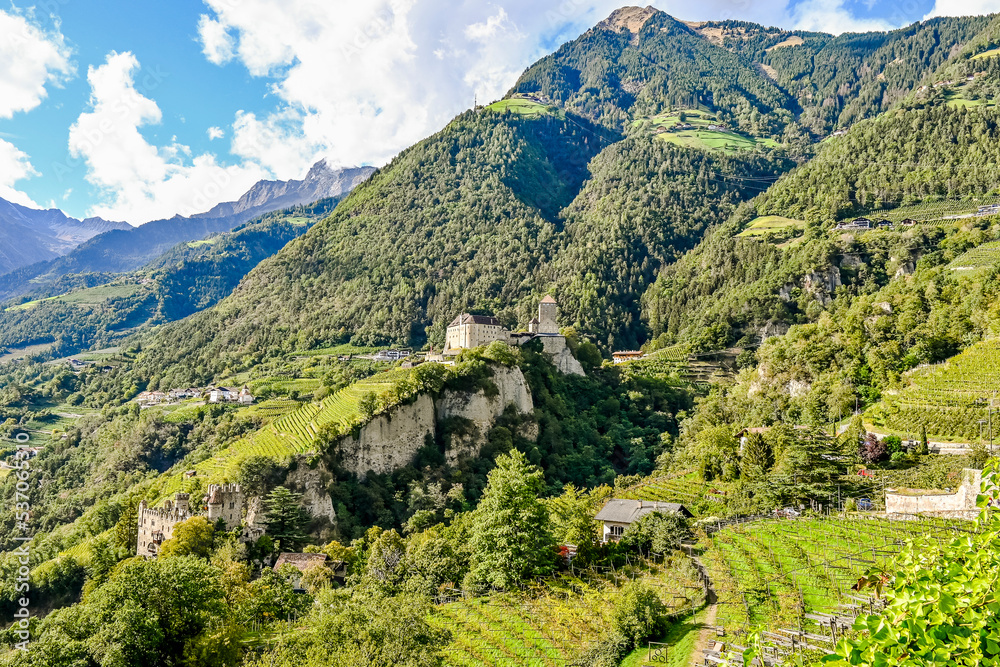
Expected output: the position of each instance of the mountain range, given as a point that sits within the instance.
(31, 235)
(117, 247)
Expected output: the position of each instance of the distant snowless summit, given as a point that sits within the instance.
(33, 236)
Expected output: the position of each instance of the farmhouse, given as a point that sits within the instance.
(857, 223)
(626, 355)
(618, 514)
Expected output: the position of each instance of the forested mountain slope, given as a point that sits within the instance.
(734, 283)
(80, 311)
(840, 80)
(129, 248)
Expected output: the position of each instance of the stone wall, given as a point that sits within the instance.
(960, 504)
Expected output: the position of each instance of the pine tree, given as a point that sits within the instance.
(511, 535)
(757, 457)
(286, 520)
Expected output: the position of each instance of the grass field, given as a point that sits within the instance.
(92, 296)
(698, 136)
(553, 623)
(770, 224)
(987, 54)
(27, 351)
(525, 106)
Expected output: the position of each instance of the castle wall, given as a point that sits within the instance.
(225, 501)
(156, 525)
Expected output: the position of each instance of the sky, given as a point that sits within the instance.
(141, 110)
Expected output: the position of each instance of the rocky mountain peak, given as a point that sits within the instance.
(628, 19)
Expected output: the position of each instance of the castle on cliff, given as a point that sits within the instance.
(468, 331)
(223, 501)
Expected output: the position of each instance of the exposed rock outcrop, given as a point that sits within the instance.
(391, 441)
(312, 483)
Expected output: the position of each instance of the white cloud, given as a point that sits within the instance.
(963, 8)
(215, 133)
(14, 166)
(217, 43)
(138, 181)
(30, 58)
(832, 16)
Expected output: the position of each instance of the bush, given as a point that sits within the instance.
(660, 532)
(893, 443)
(638, 613)
(872, 450)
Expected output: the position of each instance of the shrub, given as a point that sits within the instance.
(872, 450)
(639, 613)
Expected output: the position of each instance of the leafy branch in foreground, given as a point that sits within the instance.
(943, 606)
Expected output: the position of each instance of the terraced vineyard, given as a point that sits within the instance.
(981, 257)
(552, 624)
(935, 211)
(771, 573)
(295, 432)
(948, 399)
(678, 489)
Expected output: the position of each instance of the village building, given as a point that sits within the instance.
(908, 222)
(626, 355)
(618, 514)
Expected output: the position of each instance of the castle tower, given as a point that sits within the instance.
(225, 501)
(182, 502)
(548, 314)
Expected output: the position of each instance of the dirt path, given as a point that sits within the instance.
(706, 636)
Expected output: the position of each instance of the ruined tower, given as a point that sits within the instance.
(225, 501)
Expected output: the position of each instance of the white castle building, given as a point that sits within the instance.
(468, 331)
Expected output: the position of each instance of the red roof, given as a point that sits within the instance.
(548, 299)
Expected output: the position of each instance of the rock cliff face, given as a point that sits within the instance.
(391, 441)
(562, 358)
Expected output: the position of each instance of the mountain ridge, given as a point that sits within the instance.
(128, 248)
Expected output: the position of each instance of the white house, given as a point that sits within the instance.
(223, 395)
(618, 514)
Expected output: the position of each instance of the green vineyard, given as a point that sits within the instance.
(554, 623)
(981, 257)
(934, 211)
(682, 489)
(295, 432)
(771, 573)
(951, 400)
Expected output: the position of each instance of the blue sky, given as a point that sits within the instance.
(140, 110)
